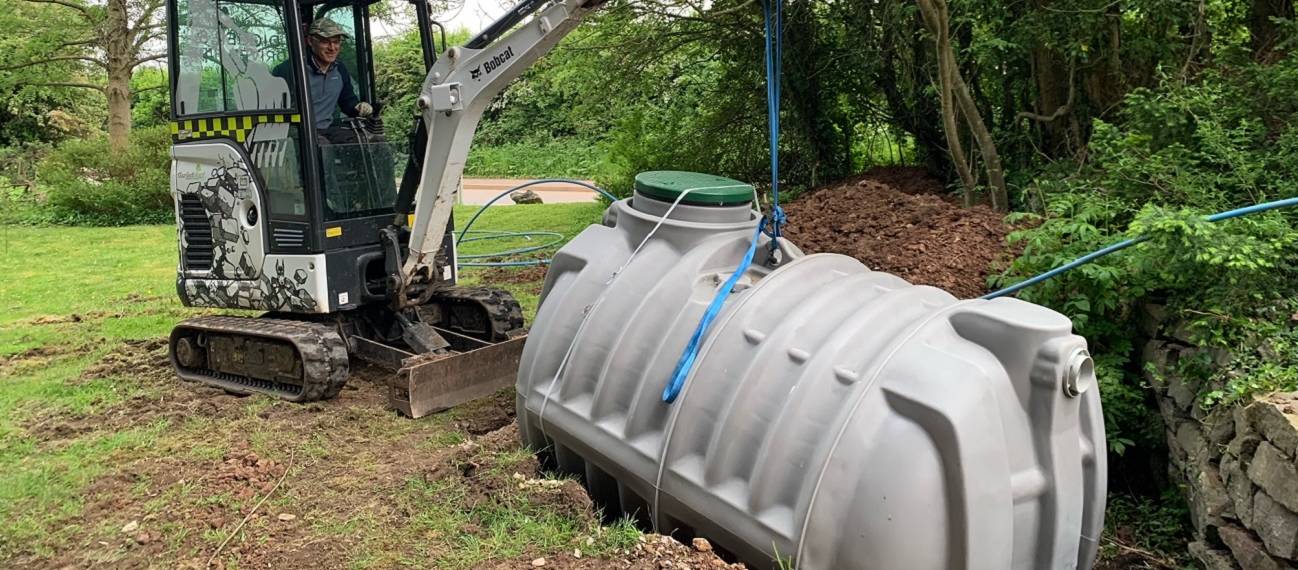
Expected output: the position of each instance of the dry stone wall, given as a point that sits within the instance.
(1237, 465)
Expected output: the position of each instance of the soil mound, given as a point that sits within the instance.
(914, 233)
(907, 180)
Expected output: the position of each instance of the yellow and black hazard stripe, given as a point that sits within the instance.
(237, 128)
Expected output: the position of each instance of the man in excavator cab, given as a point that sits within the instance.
(359, 165)
(330, 83)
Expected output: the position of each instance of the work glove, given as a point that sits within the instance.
(364, 109)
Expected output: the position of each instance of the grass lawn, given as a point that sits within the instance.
(106, 458)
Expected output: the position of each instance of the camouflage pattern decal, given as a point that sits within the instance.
(216, 175)
(242, 275)
(288, 287)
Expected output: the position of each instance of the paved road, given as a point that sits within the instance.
(478, 191)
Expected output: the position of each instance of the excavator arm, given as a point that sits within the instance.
(453, 98)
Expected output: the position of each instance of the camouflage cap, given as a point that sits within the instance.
(326, 28)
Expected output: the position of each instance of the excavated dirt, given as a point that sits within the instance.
(908, 180)
(33, 358)
(892, 221)
(144, 359)
(73, 318)
(516, 275)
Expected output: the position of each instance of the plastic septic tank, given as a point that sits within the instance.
(835, 417)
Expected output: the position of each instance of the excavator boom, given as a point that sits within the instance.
(454, 96)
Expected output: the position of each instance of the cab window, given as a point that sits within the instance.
(227, 51)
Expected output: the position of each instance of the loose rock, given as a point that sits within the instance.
(1277, 526)
(1275, 473)
(1248, 550)
(525, 197)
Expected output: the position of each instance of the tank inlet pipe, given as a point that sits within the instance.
(1238, 212)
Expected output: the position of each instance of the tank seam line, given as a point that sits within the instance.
(820, 352)
(782, 330)
(590, 309)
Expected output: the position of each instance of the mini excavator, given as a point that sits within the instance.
(293, 206)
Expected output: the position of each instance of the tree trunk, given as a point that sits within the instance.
(947, 98)
(986, 146)
(116, 36)
(952, 129)
(118, 92)
(120, 61)
(1051, 73)
(1103, 82)
(955, 92)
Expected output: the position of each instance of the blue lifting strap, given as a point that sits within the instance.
(773, 12)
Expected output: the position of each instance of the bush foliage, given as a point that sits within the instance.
(1173, 155)
(82, 182)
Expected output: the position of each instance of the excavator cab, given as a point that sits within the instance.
(281, 188)
(286, 191)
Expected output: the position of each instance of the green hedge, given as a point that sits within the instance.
(558, 158)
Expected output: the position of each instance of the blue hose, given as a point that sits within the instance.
(500, 235)
(1266, 206)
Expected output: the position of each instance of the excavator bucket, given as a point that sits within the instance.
(428, 384)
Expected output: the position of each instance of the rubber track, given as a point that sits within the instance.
(323, 352)
(504, 311)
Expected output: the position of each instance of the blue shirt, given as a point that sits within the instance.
(327, 90)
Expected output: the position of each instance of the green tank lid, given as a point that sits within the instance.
(707, 189)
